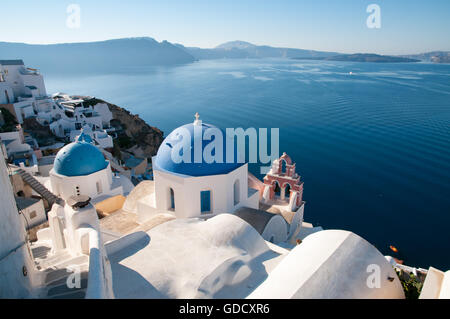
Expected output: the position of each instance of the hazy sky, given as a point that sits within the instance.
(407, 26)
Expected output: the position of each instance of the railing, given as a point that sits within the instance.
(99, 279)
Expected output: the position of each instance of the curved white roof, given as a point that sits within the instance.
(222, 257)
(332, 264)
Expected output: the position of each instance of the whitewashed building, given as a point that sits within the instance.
(196, 189)
(33, 211)
(23, 93)
(22, 89)
(81, 169)
(99, 137)
(68, 116)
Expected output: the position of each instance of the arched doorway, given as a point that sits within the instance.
(276, 188)
(287, 191)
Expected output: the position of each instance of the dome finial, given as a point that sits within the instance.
(197, 119)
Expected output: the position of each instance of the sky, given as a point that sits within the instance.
(406, 26)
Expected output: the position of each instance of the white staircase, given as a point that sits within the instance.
(56, 270)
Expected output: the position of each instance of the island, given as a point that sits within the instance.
(362, 57)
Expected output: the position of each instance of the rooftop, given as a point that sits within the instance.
(222, 257)
(46, 160)
(132, 161)
(187, 136)
(255, 217)
(25, 202)
(11, 62)
(78, 159)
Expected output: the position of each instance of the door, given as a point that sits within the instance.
(205, 202)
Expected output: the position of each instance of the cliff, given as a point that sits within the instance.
(134, 134)
(111, 56)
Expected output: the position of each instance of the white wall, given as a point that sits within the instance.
(65, 186)
(14, 253)
(14, 80)
(19, 77)
(436, 285)
(187, 192)
(36, 80)
(276, 230)
(3, 96)
(16, 145)
(103, 110)
(35, 214)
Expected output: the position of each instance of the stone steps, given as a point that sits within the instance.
(57, 269)
(39, 188)
(59, 289)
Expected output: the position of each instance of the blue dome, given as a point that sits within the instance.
(165, 162)
(78, 159)
(83, 137)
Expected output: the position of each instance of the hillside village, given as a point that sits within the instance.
(35, 126)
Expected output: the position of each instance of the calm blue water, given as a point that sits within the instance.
(373, 148)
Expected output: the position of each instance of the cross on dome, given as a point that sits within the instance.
(197, 119)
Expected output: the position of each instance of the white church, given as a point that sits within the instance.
(194, 189)
(81, 169)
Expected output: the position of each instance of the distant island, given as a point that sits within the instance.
(435, 56)
(362, 57)
(103, 56)
(121, 55)
(246, 50)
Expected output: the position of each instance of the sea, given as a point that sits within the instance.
(371, 141)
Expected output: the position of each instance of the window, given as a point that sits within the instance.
(99, 188)
(172, 199)
(236, 192)
(205, 201)
(287, 190)
(277, 188)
